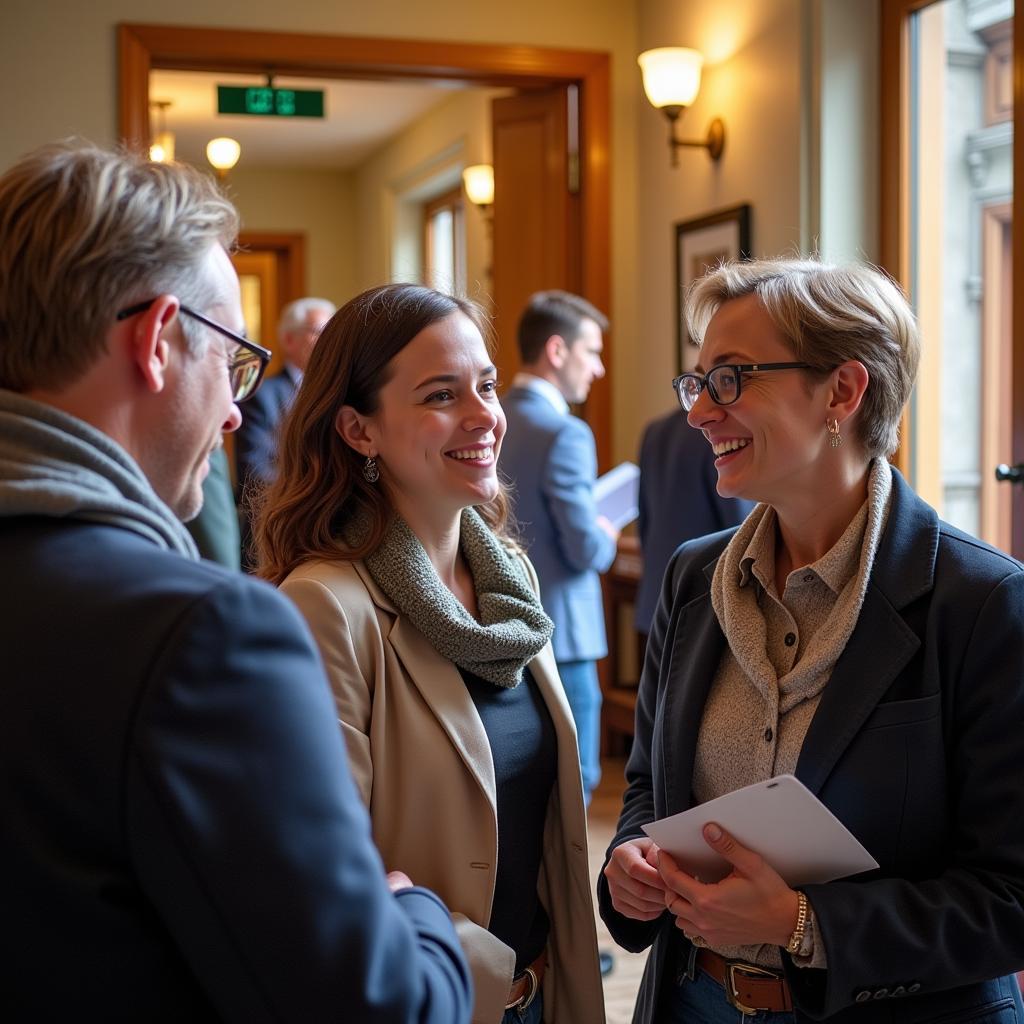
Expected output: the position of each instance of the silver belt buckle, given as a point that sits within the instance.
(524, 1001)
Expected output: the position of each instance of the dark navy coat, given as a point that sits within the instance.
(679, 501)
(181, 837)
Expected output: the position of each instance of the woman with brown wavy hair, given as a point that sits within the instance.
(386, 526)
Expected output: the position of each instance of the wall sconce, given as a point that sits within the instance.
(223, 154)
(478, 181)
(672, 81)
(161, 149)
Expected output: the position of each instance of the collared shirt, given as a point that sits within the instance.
(542, 387)
(779, 658)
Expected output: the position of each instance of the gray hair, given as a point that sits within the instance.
(293, 316)
(85, 232)
(829, 314)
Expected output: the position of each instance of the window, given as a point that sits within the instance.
(444, 243)
(955, 179)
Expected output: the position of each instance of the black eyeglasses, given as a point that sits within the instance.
(246, 366)
(723, 382)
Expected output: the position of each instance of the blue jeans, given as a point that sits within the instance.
(533, 1014)
(582, 690)
(702, 1001)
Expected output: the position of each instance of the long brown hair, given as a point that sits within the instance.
(319, 483)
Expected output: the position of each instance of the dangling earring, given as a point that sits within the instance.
(834, 437)
(371, 474)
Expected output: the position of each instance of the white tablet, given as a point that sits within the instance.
(617, 494)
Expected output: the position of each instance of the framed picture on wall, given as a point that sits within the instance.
(701, 245)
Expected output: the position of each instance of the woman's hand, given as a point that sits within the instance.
(750, 905)
(634, 882)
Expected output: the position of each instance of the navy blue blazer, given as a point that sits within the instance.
(550, 461)
(257, 438)
(182, 839)
(679, 501)
(916, 746)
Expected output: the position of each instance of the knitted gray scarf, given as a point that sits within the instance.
(512, 628)
(52, 464)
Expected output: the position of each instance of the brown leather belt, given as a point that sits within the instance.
(526, 985)
(747, 987)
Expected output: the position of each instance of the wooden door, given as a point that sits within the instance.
(271, 273)
(536, 209)
(271, 270)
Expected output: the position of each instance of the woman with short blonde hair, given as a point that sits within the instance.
(845, 634)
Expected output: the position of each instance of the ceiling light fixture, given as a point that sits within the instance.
(223, 154)
(161, 149)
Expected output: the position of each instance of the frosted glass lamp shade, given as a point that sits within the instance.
(671, 75)
(223, 153)
(478, 181)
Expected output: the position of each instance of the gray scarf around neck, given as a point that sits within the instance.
(53, 464)
(512, 627)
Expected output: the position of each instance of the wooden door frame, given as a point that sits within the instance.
(290, 249)
(894, 198)
(1017, 248)
(894, 181)
(142, 48)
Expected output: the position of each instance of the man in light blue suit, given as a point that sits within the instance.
(550, 460)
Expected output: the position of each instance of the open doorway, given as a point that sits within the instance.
(364, 183)
(145, 47)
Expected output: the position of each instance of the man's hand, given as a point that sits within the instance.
(609, 527)
(636, 887)
(398, 880)
(750, 905)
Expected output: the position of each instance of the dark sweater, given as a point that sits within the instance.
(524, 750)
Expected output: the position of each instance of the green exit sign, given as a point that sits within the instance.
(264, 101)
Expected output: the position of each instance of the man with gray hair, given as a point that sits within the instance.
(182, 839)
(299, 327)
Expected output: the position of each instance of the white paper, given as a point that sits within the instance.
(781, 819)
(617, 494)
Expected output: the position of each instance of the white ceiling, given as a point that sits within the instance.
(358, 117)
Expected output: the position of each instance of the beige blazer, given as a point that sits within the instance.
(423, 764)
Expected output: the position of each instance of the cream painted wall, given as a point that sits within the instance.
(795, 82)
(318, 203)
(62, 55)
(752, 80)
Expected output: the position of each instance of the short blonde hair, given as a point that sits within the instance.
(829, 314)
(85, 232)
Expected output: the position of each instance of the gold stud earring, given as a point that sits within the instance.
(834, 437)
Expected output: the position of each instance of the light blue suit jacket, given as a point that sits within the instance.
(550, 461)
